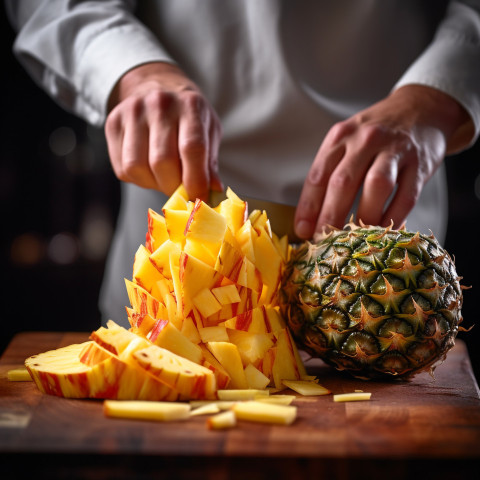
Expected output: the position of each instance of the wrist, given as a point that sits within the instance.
(441, 111)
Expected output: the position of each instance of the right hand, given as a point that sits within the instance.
(161, 131)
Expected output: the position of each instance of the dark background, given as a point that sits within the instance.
(59, 200)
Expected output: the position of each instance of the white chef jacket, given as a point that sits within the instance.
(279, 74)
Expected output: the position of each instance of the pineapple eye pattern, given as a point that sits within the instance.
(376, 302)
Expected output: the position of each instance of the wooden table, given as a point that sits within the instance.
(408, 429)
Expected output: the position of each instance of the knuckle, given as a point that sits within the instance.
(342, 180)
(373, 134)
(316, 177)
(340, 130)
(193, 100)
(160, 99)
(194, 146)
(380, 180)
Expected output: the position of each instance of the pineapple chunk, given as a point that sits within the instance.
(306, 387)
(213, 334)
(157, 230)
(222, 420)
(166, 335)
(352, 397)
(277, 399)
(229, 357)
(205, 225)
(256, 411)
(206, 303)
(241, 394)
(226, 294)
(178, 200)
(205, 409)
(19, 375)
(220, 404)
(145, 410)
(255, 378)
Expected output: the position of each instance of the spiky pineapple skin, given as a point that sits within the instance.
(373, 301)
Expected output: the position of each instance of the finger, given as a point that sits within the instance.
(409, 187)
(164, 157)
(134, 163)
(214, 146)
(114, 137)
(314, 189)
(193, 144)
(379, 185)
(343, 186)
(346, 180)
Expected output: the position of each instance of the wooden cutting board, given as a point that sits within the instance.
(408, 427)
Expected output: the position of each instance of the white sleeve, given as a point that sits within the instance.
(451, 63)
(77, 51)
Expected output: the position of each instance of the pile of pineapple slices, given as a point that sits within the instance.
(204, 322)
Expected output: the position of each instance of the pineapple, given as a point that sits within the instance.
(203, 313)
(376, 302)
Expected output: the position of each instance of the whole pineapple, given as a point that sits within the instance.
(373, 301)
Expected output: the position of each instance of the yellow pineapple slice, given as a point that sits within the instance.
(19, 375)
(255, 411)
(62, 372)
(178, 200)
(166, 335)
(238, 395)
(206, 409)
(140, 323)
(144, 410)
(206, 303)
(252, 346)
(269, 262)
(222, 420)
(244, 237)
(147, 276)
(255, 378)
(176, 220)
(213, 334)
(142, 301)
(352, 397)
(285, 365)
(306, 387)
(228, 356)
(194, 276)
(160, 258)
(234, 210)
(188, 378)
(226, 294)
(253, 321)
(156, 231)
(205, 225)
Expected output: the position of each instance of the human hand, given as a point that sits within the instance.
(393, 147)
(161, 132)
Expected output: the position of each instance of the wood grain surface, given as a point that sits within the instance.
(423, 426)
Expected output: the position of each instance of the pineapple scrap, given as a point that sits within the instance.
(146, 410)
(206, 409)
(352, 397)
(255, 411)
(19, 375)
(222, 420)
(306, 387)
(241, 394)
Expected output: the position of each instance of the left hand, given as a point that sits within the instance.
(392, 147)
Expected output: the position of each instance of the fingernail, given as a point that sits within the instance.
(303, 229)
